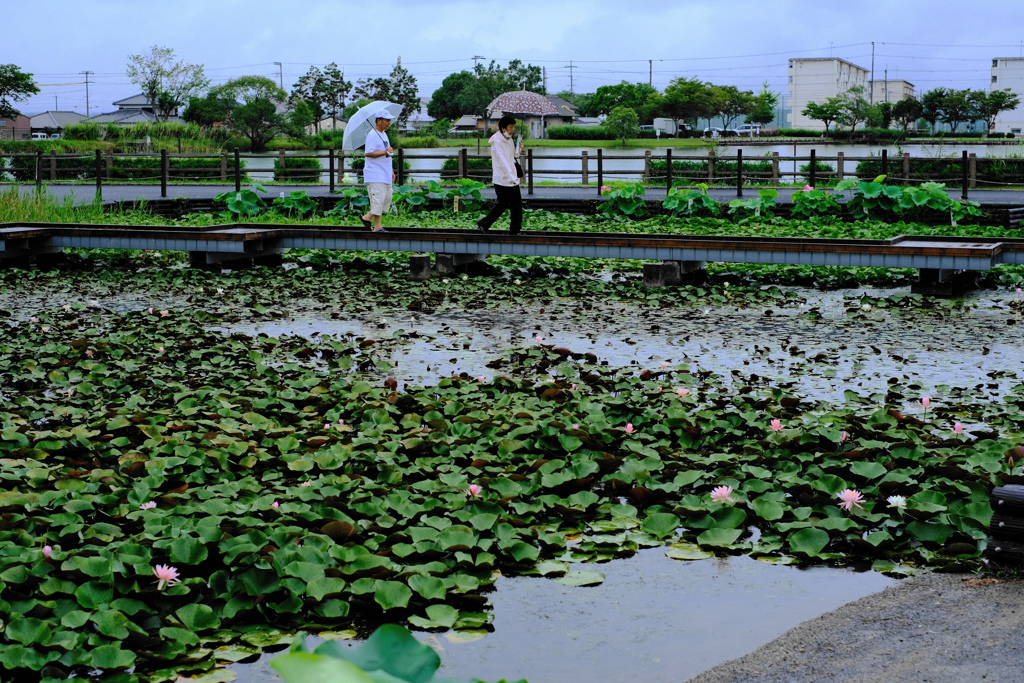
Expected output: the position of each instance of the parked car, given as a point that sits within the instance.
(40, 136)
(750, 129)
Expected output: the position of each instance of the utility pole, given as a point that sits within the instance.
(570, 68)
(871, 99)
(280, 74)
(87, 73)
(544, 75)
(476, 61)
(650, 72)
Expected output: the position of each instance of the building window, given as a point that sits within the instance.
(1015, 131)
(790, 79)
(995, 63)
(994, 79)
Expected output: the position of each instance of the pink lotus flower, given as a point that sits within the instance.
(722, 494)
(166, 576)
(481, 379)
(160, 349)
(573, 387)
(683, 392)
(539, 339)
(629, 428)
(958, 428)
(306, 483)
(47, 550)
(151, 310)
(474, 491)
(776, 425)
(575, 426)
(164, 314)
(148, 506)
(89, 353)
(664, 364)
(1019, 291)
(925, 402)
(275, 504)
(808, 188)
(850, 498)
(34, 319)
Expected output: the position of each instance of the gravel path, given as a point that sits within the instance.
(935, 628)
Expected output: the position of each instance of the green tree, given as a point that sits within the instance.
(209, 109)
(325, 91)
(622, 123)
(625, 94)
(958, 107)
(853, 107)
(762, 109)
(399, 87)
(301, 116)
(906, 112)
(731, 102)
(685, 99)
(932, 103)
(454, 98)
(826, 112)
(15, 86)
(166, 83)
(255, 106)
(989, 105)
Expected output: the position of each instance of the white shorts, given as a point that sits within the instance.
(380, 197)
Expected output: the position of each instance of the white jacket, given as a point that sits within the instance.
(503, 157)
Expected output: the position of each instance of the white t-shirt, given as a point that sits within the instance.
(377, 169)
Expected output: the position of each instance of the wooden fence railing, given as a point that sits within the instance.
(666, 169)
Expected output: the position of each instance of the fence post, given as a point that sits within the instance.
(585, 170)
(600, 170)
(529, 171)
(39, 170)
(647, 166)
(109, 165)
(238, 171)
(885, 164)
(99, 175)
(223, 166)
(463, 163)
(163, 172)
(282, 165)
(739, 173)
(711, 167)
(775, 168)
(330, 169)
(812, 179)
(401, 166)
(906, 167)
(973, 168)
(963, 176)
(840, 171)
(668, 170)
(53, 165)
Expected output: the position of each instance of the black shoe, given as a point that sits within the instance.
(366, 223)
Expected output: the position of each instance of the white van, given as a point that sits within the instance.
(40, 136)
(750, 129)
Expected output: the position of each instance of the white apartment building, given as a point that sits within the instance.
(816, 80)
(891, 91)
(1008, 72)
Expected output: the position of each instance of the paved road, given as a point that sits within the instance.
(113, 193)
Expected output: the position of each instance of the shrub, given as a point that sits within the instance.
(298, 169)
(578, 133)
(475, 168)
(948, 170)
(82, 131)
(179, 168)
(691, 172)
(243, 144)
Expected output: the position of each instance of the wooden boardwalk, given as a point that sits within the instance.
(937, 257)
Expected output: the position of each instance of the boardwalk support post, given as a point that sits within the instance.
(419, 267)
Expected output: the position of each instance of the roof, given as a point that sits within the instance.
(564, 108)
(56, 119)
(139, 100)
(126, 116)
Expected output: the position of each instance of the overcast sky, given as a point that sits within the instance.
(735, 42)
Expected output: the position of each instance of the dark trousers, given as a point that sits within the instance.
(508, 198)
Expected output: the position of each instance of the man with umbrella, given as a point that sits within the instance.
(378, 173)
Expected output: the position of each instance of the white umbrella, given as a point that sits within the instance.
(363, 120)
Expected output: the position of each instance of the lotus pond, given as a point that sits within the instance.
(328, 447)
